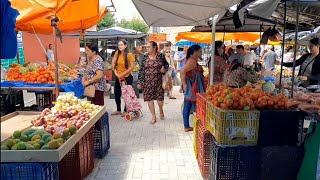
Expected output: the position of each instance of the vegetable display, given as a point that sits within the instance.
(35, 139)
(68, 111)
(245, 98)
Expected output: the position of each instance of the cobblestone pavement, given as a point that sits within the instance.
(143, 151)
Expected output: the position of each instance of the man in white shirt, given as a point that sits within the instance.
(249, 57)
(239, 55)
(50, 54)
(270, 58)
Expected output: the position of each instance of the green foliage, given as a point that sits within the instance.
(107, 22)
(135, 23)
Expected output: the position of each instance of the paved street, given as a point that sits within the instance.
(140, 150)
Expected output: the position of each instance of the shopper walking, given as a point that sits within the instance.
(123, 64)
(152, 68)
(94, 74)
(169, 75)
(192, 82)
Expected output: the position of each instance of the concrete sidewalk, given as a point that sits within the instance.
(141, 151)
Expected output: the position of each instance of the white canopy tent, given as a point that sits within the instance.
(165, 13)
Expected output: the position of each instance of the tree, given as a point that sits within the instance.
(107, 22)
(135, 24)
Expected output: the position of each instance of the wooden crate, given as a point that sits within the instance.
(49, 155)
(19, 120)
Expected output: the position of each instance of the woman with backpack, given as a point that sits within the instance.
(123, 64)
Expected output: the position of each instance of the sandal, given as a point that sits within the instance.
(162, 116)
(153, 121)
(123, 114)
(116, 113)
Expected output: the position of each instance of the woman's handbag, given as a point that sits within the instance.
(89, 91)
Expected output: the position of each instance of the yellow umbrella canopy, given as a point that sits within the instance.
(75, 16)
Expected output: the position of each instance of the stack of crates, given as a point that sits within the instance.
(234, 151)
(101, 137)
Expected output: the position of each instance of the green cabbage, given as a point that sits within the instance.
(268, 87)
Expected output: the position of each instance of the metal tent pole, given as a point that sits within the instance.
(214, 22)
(295, 47)
(283, 40)
(53, 24)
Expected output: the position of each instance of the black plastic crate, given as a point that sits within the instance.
(280, 128)
(101, 137)
(280, 162)
(44, 98)
(29, 171)
(234, 162)
(10, 101)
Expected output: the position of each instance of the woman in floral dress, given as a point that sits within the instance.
(220, 64)
(152, 68)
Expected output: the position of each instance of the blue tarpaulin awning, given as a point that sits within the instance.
(188, 43)
(8, 15)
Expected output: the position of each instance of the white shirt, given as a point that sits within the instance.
(249, 59)
(50, 55)
(270, 58)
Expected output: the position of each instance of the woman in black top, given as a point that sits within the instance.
(310, 63)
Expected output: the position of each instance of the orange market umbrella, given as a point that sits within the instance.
(75, 16)
(31, 9)
(206, 37)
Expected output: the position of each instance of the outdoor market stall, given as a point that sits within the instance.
(54, 142)
(250, 132)
(60, 142)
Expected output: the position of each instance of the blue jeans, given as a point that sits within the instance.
(187, 105)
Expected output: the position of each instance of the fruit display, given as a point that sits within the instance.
(68, 111)
(70, 101)
(66, 73)
(35, 139)
(30, 73)
(245, 98)
(42, 73)
(286, 72)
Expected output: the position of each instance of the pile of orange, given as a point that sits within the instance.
(41, 75)
(245, 98)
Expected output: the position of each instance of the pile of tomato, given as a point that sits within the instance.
(245, 98)
(40, 75)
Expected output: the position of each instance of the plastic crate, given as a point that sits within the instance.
(280, 162)
(101, 137)
(233, 127)
(44, 98)
(79, 161)
(234, 162)
(280, 127)
(204, 143)
(195, 135)
(29, 171)
(10, 101)
(201, 107)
